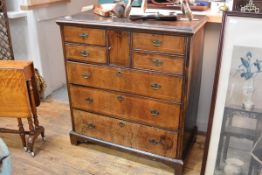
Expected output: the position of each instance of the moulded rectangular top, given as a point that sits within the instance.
(91, 19)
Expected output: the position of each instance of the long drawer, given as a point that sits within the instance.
(136, 109)
(132, 135)
(126, 80)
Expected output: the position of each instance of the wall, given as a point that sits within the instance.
(47, 35)
(209, 65)
(36, 37)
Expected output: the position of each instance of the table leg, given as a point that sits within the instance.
(22, 132)
(34, 110)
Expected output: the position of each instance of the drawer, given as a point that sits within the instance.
(128, 134)
(126, 80)
(84, 35)
(86, 53)
(161, 43)
(168, 64)
(140, 110)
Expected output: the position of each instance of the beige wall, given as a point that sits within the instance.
(209, 65)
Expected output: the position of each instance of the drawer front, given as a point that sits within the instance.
(138, 82)
(84, 35)
(141, 110)
(132, 135)
(161, 43)
(119, 47)
(86, 53)
(168, 64)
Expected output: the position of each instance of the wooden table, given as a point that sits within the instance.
(19, 98)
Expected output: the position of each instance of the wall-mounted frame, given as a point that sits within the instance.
(238, 4)
(234, 142)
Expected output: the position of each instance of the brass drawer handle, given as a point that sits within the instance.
(120, 98)
(89, 100)
(157, 62)
(157, 43)
(86, 75)
(121, 124)
(153, 141)
(83, 35)
(91, 126)
(155, 86)
(154, 113)
(84, 53)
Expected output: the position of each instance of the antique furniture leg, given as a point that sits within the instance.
(178, 169)
(38, 129)
(31, 138)
(22, 132)
(35, 129)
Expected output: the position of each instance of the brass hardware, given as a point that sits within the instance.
(91, 126)
(119, 73)
(86, 75)
(84, 53)
(89, 100)
(153, 141)
(157, 62)
(83, 35)
(121, 124)
(120, 98)
(155, 86)
(157, 43)
(154, 113)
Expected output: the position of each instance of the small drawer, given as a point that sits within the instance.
(86, 53)
(161, 43)
(124, 133)
(168, 64)
(123, 106)
(84, 35)
(126, 80)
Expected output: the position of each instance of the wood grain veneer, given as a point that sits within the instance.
(126, 80)
(162, 63)
(84, 35)
(137, 109)
(119, 50)
(161, 43)
(144, 99)
(124, 133)
(86, 53)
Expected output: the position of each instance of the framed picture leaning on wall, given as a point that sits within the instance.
(234, 141)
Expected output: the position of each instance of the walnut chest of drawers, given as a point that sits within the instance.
(134, 86)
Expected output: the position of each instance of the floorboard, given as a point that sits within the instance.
(57, 156)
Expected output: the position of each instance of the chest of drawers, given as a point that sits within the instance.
(134, 86)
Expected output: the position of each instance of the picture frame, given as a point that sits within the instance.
(233, 143)
(238, 4)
